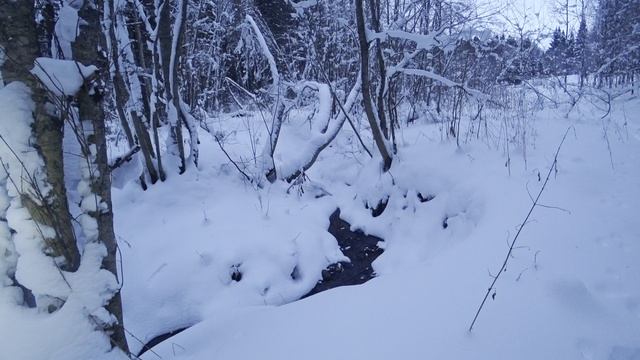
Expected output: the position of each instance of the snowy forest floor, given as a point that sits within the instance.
(570, 291)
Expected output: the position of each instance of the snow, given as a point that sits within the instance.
(15, 128)
(422, 41)
(174, 41)
(8, 254)
(66, 29)
(2, 60)
(62, 77)
(265, 52)
(323, 132)
(300, 6)
(22, 174)
(210, 251)
(70, 333)
(569, 292)
(190, 252)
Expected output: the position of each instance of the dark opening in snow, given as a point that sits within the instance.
(378, 209)
(445, 222)
(236, 275)
(158, 339)
(425, 198)
(361, 249)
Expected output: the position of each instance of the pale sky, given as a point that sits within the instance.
(535, 16)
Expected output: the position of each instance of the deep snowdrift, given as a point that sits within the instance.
(570, 290)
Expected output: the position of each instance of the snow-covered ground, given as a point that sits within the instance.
(571, 289)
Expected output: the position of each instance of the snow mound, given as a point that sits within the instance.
(62, 77)
(569, 291)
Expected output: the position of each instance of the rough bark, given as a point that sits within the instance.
(90, 104)
(19, 39)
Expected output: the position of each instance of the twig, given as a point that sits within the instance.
(215, 136)
(605, 133)
(344, 111)
(526, 219)
(140, 341)
(546, 206)
(126, 157)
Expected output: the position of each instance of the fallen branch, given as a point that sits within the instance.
(513, 242)
(235, 164)
(120, 160)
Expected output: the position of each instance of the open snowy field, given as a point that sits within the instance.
(570, 290)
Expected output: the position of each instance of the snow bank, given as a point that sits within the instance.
(569, 291)
(16, 151)
(8, 256)
(62, 77)
(190, 254)
(66, 29)
(70, 332)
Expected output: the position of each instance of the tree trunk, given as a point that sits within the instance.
(167, 59)
(18, 38)
(90, 104)
(122, 97)
(366, 87)
(382, 87)
(177, 51)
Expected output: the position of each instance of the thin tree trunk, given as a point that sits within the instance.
(150, 91)
(119, 86)
(145, 146)
(366, 87)
(90, 104)
(382, 87)
(177, 51)
(122, 97)
(269, 166)
(167, 57)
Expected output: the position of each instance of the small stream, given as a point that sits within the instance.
(360, 248)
